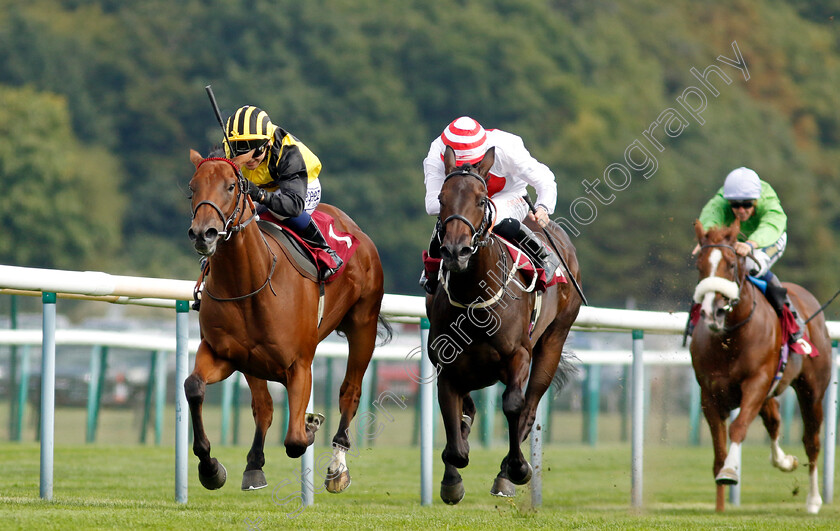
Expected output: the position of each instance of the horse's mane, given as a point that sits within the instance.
(717, 234)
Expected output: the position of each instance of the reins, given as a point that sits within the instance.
(479, 236)
(231, 229)
(738, 282)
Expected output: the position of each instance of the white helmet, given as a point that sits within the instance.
(742, 184)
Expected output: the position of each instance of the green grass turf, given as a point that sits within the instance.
(132, 487)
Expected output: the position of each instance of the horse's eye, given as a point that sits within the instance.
(232, 187)
(190, 192)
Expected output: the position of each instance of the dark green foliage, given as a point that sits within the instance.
(368, 84)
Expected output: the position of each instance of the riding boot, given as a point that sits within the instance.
(543, 257)
(778, 297)
(313, 237)
(430, 284)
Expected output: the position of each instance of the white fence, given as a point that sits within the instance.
(52, 284)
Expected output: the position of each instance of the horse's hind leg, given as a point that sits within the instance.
(263, 409)
(772, 419)
(208, 369)
(810, 404)
(361, 339)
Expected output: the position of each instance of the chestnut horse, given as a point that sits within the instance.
(480, 319)
(735, 351)
(259, 316)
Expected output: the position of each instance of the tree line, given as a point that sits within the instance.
(97, 122)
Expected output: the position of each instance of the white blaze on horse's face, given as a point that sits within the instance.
(709, 287)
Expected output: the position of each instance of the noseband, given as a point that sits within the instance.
(229, 228)
(478, 236)
(738, 282)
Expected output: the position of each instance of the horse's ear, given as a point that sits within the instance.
(241, 159)
(195, 157)
(699, 230)
(734, 230)
(448, 160)
(487, 162)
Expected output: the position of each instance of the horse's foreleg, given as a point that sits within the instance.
(513, 403)
(299, 389)
(208, 369)
(810, 404)
(263, 409)
(716, 418)
(753, 393)
(456, 453)
(772, 420)
(361, 340)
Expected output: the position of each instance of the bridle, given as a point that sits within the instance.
(738, 282)
(229, 228)
(478, 236)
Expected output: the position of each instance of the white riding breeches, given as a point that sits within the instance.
(763, 259)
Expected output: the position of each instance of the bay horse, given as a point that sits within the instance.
(259, 316)
(480, 320)
(735, 352)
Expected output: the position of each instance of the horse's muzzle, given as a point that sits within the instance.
(204, 241)
(456, 257)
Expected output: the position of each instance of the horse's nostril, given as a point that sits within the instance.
(211, 234)
(445, 253)
(464, 251)
(191, 234)
(720, 313)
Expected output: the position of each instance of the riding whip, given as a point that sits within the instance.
(212, 97)
(562, 260)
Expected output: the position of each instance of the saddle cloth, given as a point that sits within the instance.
(788, 321)
(519, 260)
(343, 243)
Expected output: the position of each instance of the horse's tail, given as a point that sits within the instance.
(566, 370)
(384, 331)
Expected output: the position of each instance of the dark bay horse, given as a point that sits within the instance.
(735, 351)
(480, 333)
(259, 316)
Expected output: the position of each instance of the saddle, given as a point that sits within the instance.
(534, 277)
(305, 259)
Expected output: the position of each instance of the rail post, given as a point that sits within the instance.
(48, 396)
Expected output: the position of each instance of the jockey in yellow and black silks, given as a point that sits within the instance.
(282, 174)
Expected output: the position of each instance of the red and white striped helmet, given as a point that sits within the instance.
(467, 138)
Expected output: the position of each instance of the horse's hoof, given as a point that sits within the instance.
(503, 488)
(525, 478)
(813, 505)
(727, 476)
(788, 464)
(213, 478)
(314, 422)
(452, 494)
(253, 480)
(336, 483)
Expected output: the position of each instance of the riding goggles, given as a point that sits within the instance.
(240, 147)
(742, 204)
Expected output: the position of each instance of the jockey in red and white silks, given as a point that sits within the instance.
(512, 171)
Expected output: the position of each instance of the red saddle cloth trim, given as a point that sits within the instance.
(523, 263)
(789, 326)
(528, 269)
(343, 243)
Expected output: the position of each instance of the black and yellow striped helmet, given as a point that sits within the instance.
(248, 128)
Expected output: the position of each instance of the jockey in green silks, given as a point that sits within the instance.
(744, 196)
